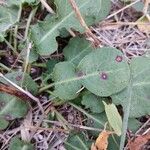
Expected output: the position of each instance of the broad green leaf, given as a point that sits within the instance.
(17, 144)
(19, 2)
(76, 49)
(50, 65)
(48, 74)
(140, 105)
(113, 117)
(23, 80)
(133, 124)
(138, 6)
(113, 142)
(64, 33)
(65, 71)
(3, 123)
(44, 33)
(104, 71)
(8, 17)
(33, 56)
(97, 121)
(93, 102)
(77, 142)
(12, 107)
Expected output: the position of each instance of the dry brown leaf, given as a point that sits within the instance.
(93, 147)
(102, 141)
(139, 142)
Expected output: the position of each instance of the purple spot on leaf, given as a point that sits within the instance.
(18, 78)
(104, 76)
(119, 58)
(80, 74)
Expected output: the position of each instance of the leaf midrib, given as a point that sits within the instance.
(56, 26)
(85, 76)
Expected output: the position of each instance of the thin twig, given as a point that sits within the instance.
(27, 57)
(82, 22)
(16, 28)
(143, 126)
(120, 10)
(73, 125)
(23, 91)
(46, 129)
(48, 8)
(125, 23)
(28, 22)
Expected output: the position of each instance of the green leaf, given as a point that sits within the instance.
(63, 33)
(133, 124)
(93, 102)
(97, 121)
(17, 144)
(64, 71)
(33, 56)
(19, 2)
(76, 49)
(139, 106)
(77, 142)
(113, 142)
(138, 6)
(114, 117)
(23, 80)
(48, 74)
(50, 65)
(12, 107)
(8, 17)
(44, 33)
(3, 123)
(104, 71)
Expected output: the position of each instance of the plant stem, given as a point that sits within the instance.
(4, 67)
(48, 8)
(11, 47)
(126, 115)
(16, 28)
(29, 22)
(62, 120)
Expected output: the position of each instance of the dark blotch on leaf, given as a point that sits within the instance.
(104, 76)
(2, 104)
(80, 74)
(119, 58)
(8, 117)
(18, 78)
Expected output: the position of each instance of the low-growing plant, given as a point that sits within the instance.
(95, 81)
